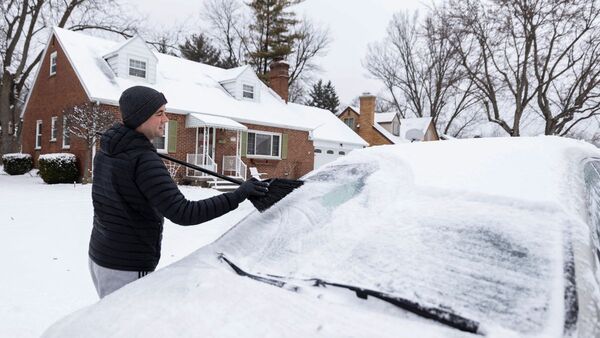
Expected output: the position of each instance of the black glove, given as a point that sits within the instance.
(252, 188)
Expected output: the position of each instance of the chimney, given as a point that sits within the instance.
(278, 78)
(366, 119)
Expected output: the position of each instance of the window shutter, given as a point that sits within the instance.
(172, 142)
(244, 143)
(284, 143)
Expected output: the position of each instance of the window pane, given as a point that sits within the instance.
(248, 91)
(263, 144)
(275, 151)
(53, 129)
(160, 142)
(251, 142)
(137, 68)
(137, 72)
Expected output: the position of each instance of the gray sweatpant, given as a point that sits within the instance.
(108, 280)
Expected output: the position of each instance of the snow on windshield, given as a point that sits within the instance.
(496, 260)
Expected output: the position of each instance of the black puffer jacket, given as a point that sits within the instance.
(131, 193)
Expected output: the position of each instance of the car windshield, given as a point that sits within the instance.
(495, 260)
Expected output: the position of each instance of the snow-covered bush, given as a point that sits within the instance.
(17, 163)
(58, 168)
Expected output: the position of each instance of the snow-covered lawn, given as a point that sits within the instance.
(44, 234)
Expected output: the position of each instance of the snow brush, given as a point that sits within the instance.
(278, 187)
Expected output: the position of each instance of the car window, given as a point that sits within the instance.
(493, 260)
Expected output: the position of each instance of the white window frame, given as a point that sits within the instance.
(137, 59)
(164, 150)
(38, 134)
(65, 132)
(269, 157)
(53, 128)
(252, 93)
(53, 57)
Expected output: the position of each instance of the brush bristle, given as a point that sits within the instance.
(278, 189)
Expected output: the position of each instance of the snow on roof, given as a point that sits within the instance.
(385, 117)
(418, 123)
(189, 87)
(532, 168)
(125, 43)
(194, 120)
(341, 110)
(329, 127)
(231, 74)
(395, 139)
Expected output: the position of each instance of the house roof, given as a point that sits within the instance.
(385, 117)
(395, 139)
(410, 125)
(120, 46)
(194, 120)
(192, 87)
(355, 109)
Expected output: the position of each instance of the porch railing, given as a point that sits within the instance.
(197, 160)
(233, 165)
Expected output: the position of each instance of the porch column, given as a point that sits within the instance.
(214, 144)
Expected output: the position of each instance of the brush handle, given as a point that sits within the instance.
(206, 171)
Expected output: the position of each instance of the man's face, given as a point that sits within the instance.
(155, 125)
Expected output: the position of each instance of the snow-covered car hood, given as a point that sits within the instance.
(374, 221)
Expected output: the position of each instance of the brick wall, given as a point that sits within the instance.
(365, 129)
(349, 113)
(367, 120)
(49, 97)
(300, 156)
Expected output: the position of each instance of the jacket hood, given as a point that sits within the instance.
(119, 138)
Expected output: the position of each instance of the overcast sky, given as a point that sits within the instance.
(353, 25)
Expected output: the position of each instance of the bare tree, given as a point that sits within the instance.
(85, 121)
(23, 27)
(421, 71)
(566, 63)
(230, 22)
(312, 42)
(229, 28)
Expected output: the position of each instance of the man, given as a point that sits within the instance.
(133, 192)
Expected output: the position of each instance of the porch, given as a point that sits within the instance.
(218, 147)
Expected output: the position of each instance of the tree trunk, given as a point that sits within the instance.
(8, 142)
(86, 166)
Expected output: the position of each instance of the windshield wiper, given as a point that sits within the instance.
(444, 316)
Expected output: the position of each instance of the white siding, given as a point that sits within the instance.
(232, 88)
(113, 63)
(248, 77)
(138, 50)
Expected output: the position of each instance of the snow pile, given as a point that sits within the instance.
(58, 157)
(44, 236)
(15, 156)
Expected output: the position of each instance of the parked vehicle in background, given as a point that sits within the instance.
(458, 238)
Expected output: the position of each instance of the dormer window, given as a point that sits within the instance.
(137, 68)
(52, 63)
(248, 92)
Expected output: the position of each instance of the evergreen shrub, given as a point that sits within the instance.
(17, 163)
(58, 168)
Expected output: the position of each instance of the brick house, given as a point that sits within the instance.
(386, 128)
(223, 119)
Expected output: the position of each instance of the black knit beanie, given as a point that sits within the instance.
(138, 103)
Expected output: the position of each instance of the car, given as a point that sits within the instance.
(495, 237)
